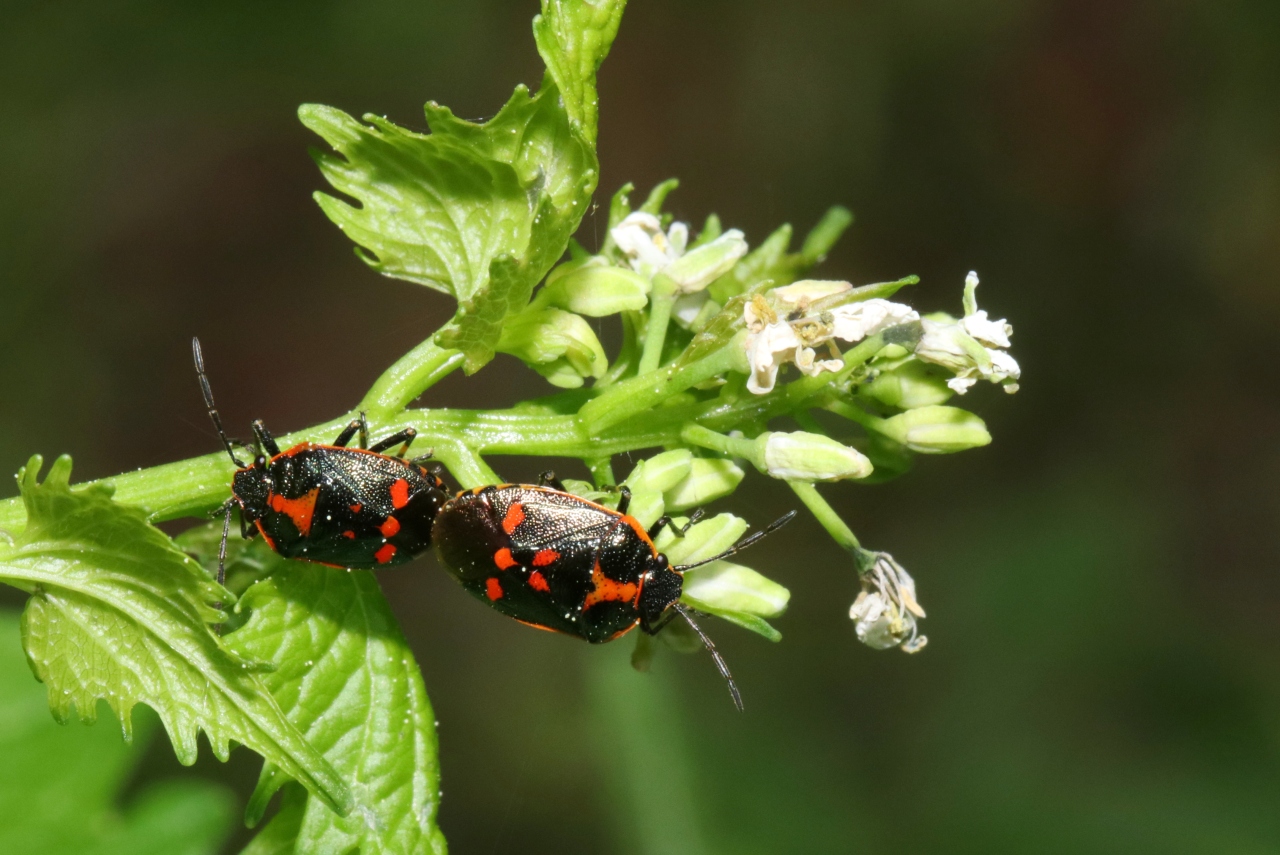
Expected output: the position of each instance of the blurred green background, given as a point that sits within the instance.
(1103, 674)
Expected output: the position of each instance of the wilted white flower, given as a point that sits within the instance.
(971, 348)
(772, 341)
(886, 611)
(650, 251)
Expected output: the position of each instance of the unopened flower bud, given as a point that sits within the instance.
(725, 586)
(559, 345)
(703, 540)
(803, 456)
(708, 479)
(908, 385)
(594, 288)
(653, 477)
(699, 267)
(936, 430)
(661, 472)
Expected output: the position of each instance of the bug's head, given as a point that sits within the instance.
(661, 591)
(251, 486)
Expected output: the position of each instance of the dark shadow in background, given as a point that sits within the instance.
(1103, 667)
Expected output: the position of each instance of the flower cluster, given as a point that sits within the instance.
(709, 323)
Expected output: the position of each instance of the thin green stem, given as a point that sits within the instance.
(661, 299)
(645, 392)
(414, 373)
(826, 515)
(702, 437)
(601, 471)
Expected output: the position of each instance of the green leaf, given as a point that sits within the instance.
(346, 677)
(574, 37)
(479, 211)
(117, 612)
(60, 787)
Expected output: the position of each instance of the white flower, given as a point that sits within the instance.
(971, 348)
(772, 341)
(650, 251)
(886, 611)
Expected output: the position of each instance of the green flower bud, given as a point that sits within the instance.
(653, 477)
(708, 479)
(802, 456)
(703, 540)
(936, 430)
(661, 472)
(558, 345)
(699, 267)
(908, 385)
(594, 288)
(725, 586)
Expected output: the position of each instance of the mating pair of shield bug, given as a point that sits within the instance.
(536, 553)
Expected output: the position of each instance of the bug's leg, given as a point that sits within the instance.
(222, 545)
(624, 499)
(265, 440)
(549, 479)
(665, 521)
(423, 458)
(405, 436)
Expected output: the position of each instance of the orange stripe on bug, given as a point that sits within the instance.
(605, 589)
(399, 493)
(515, 516)
(545, 557)
(504, 559)
(538, 582)
(389, 527)
(299, 510)
(493, 588)
(385, 554)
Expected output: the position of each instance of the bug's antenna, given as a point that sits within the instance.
(721, 665)
(208, 401)
(740, 545)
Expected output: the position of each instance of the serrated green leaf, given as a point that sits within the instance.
(433, 210)
(479, 211)
(118, 613)
(280, 835)
(60, 786)
(574, 37)
(346, 677)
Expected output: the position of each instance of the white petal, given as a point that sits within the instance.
(989, 332)
(856, 321)
(808, 290)
(960, 385)
(640, 237)
(677, 240)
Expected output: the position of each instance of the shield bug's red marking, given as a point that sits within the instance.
(556, 561)
(493, 589)
(345, 507)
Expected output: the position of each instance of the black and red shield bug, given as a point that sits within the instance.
(345, 507)
(559, 562)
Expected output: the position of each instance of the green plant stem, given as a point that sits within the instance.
(826, 516)
(661, 300)
(411, 375)
(623, 400)
(604, 427)
(696, 434)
